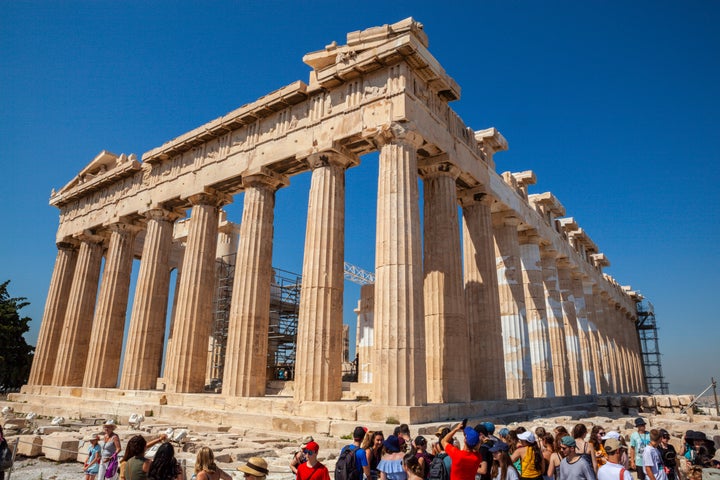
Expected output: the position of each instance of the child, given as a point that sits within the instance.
(93, 461)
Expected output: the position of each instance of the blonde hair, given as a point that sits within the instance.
(367, 441)
(205, 460)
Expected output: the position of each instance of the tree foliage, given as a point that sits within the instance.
(15, 354)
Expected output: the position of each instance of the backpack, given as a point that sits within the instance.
(437, 470)
(6, 457)
(346, 467)
(112, 467)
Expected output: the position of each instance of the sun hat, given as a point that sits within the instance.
(91, 437)
(305, 441)
(110, 423)
(639, 421)
(499, 447)
(612, 445)
(568, 441)
(392, 444)
(255, 466)
(471, 437)
(441, 431)
(527, 436)
(611, 434)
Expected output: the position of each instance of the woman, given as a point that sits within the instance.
(596, 435)
(390, 465)
(110, 448)
(557, 456)
(421, 453)
(164, 465)
(669, 455)
(373, 451)
(93, 458)
(548, 447)
(582, 448)
(532, 463)
(134, 465)
(205, 468)
(502, 468)
(413, 468)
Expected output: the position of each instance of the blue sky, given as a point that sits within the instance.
(614, 105)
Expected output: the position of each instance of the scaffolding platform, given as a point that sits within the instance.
(648, 332)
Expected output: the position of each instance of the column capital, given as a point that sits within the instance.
(327, 158)
(209, 197)
(397, 132)
(546, 251)
(68, 243)
(505, 218)
(471, 196)
(529, 237)
(159, 213)
(264, 178)
(89, 237)
(123, 227)
(439, 165)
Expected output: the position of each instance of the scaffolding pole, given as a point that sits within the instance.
(648, 333)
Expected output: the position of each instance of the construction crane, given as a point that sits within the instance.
(358, 275)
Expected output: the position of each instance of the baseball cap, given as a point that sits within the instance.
(471, 436)
(527, 436)
(613, 444)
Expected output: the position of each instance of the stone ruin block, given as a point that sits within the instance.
(663, 401)
(616, 400)
(647, 402)
(60, 448)
(685, 400)
(223, 458)
(674, 401)
(632, 402)
(30, 445)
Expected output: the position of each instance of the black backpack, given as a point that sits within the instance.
(346, 467)
(437, 470)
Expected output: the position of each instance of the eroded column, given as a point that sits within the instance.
(487, 369)
(603, 326)
(144, 346)
(572, 343)
(518, 369)
(193, 318)
(446, 329)
(246, 355)
(55, 307)
(593, 337)
(77, 326)
(588, 371)
(536, 315)
(399, 359)
(108, 327)
(318, 371)
(556, 324)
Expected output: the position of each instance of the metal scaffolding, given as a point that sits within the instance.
(648, 333)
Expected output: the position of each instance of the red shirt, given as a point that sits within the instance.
(318, 472)
(464, 463)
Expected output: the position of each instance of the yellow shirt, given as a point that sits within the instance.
(528, 464)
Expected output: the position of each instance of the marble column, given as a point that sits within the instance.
(399, 372)
(588, 371)
(518, 368)
(482, 304)
(593, 336)
(556, 324)
(77, 326)
(615, 343)
(318, 365)
(144, 346)
(446, 327)
(108, 327)
(55, 308)
(572, 343)
(188, 356)
(247, 345)
(536, 315)
(603, 329)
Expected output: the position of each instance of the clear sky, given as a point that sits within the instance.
(614, 105)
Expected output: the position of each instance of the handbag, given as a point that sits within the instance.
(112, 467)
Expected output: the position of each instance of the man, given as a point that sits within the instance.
(638, 441)
(312, 468)
(573, 466)
(652, 461)
(361, 463)
(465, 462)
(484, 451)
(613, 467)
(299, 456)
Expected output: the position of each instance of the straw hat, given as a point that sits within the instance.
(255, 466)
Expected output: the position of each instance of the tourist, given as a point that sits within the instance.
(92, 464)
(548, 448)
(134, 465)
(164, 465)
(465, 461)
(532, 463)
(402, 431)
(361, 463)
(412, 467)
(613, 468)
(256, 468)
(502, 467)
(3, 449)
(312, 468)
(421, 453)
(373, 451)
(596, 435)
(484, 451)
(490, 427)
(623, 452)
(390, 465)
(110, 448)
(503, 434)
(205, 468)
(652, 461)
(439, 450)
(299, 456)
(638, 441)
(574, 466)
(557, 455)
(668, 455)
(514, 443)
(586, 451)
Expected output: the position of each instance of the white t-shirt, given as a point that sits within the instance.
(651, 458)
(611, 471)
(510, 475)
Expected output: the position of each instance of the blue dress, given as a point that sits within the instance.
(93, 453)
(393, 469)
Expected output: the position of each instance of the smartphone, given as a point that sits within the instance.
(464, 422)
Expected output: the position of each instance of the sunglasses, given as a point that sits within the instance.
(309, 452)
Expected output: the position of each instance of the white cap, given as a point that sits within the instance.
(611, 434)
(527, 436)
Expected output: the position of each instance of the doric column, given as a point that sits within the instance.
(572, 342)
(246, 354)
(536, 315)
(626, 348)
(144, 346)
(518, 368)
(633, 377)
(77, 326)
(188, 356)
(603, 328)
(482, 305)
(318, 365)
(593, 336)
(399, 359)
(105, 347)
(446, 328)
(588, 371)
(556, 324)
(55, 307)
(616, 356)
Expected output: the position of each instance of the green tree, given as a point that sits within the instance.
(15, 354)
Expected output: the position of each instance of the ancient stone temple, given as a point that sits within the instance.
(499, 296)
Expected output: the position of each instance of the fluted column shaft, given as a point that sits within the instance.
(627, 358)
(536, 316)
(77, 326)
(144, 346)
(446, 328)
(51, 328)
(572, 343)
(105, 347)
(603, 325)
(556, 324)
(593, 336)
(487, 370)
(247, 345)
(187, 360)
(399, 372)
(518, 368)
(614, 343)
(318, 371)
(588, 371)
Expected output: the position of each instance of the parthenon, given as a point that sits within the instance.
(494, 294)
